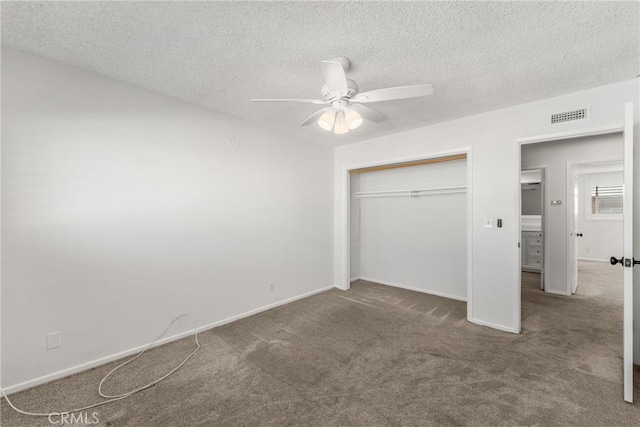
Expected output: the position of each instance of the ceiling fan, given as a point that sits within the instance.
(346, 111)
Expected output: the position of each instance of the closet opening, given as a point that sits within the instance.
(409, 226)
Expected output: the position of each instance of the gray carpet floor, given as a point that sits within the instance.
(378, 356)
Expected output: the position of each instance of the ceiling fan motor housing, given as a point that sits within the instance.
(352, 90)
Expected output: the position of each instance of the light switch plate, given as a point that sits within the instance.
(488, 222)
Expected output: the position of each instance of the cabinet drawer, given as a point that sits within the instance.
(535, 260)
(535, 250)
(532, 238)
(535, 241)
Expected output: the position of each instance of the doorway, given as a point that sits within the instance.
(595, 215)
(563, 161)
(532, 207)
(555, 283)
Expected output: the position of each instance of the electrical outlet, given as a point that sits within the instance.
(271, 287)
(54, 340)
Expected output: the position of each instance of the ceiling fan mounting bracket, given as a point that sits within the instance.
(344, 61)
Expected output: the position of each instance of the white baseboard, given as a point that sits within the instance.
(354, 279)
(494, 326)
(101, 361)
(411, 288)
(563, 294)
(593, 259)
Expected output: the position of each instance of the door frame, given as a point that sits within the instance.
(346, 213)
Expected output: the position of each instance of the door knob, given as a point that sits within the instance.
(615, 261)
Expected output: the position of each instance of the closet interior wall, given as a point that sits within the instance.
(408, 227)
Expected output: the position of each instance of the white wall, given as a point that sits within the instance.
(496, 185)
(123, 208)
(413, 242)
(555, 155)
(601, 238)
(531, 200)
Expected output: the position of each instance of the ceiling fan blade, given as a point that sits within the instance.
(304, 101)
(334, 77)
(391, 93)
(315, 116)
(369, 113)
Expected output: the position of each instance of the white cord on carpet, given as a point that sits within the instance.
(116, 397)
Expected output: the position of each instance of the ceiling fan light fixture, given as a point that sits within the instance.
(341, 127)
(327, 120)
(353, 118)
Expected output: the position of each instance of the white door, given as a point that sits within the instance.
(576, 234)
(543, 212)
(628, 253)
(572, 213)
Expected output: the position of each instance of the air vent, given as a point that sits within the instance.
(569, 116)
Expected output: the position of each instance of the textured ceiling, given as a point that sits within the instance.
(478, 56)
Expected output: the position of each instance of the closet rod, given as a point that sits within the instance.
(409, 193)
(409, 164)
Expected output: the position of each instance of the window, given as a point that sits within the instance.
(606, 201)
